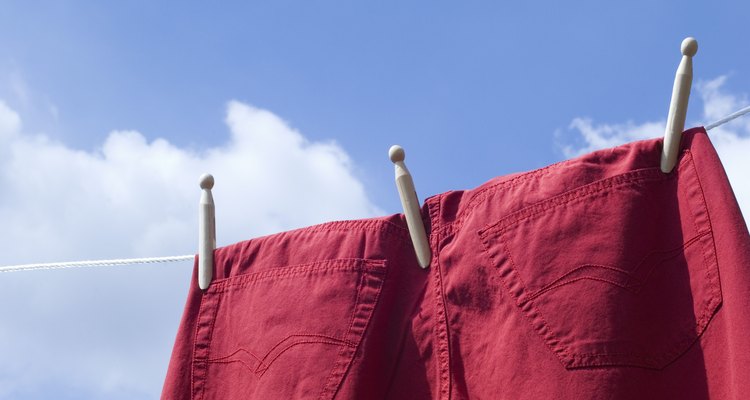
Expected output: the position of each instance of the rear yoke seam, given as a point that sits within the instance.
(344, 226)
(337, 265)
(371, 225)
(515, 181)
(576, 195)
(524, 177)
(479, 197)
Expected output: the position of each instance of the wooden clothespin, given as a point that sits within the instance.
(206, 232)
(683, 80)
(410, 203)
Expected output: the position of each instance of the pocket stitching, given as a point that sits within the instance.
(264, 365)
(343, 363)
(549, 337)
(370, 270)
(525, 302)
(331, 374)
(638, 282)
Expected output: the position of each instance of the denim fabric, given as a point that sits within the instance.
(598, 277)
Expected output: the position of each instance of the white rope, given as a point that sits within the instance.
(728, 118)
(96, 263)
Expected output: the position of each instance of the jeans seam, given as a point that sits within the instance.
(442, 330)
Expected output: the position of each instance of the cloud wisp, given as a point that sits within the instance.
(732, 140)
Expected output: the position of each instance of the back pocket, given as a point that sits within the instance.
(619, 272)
(286, 332)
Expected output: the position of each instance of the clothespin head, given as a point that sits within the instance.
(678, 105)
(410, 204)
(689, 46)
(206, 232)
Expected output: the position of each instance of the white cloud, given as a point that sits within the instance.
(732, 140)
(10, 123)
(109, 332)
(601, 136)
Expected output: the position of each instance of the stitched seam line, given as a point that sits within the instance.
(297, 338)
(547, 331)
(392, 232)
(281, 277)
(327, 337)
(366, 309)
(712, 263)
(262, 367)
(332, 373)
(515, 181)
(282, 351)
(631, 276)
(442, 331)
(195, 344)
(209, 337)
(559, 353)
(579, 194)
(340, 265)
(479, 197)
(587, 190)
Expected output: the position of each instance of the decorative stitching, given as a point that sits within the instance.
(262, 367)
(282, 351)
(634, 288)
(497, 229)
(261, 360)
(340, 264)
(240, 350)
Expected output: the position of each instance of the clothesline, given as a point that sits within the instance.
(154, 260)
(728, 118)
(96, 263)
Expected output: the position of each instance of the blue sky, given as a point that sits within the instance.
(109, 112)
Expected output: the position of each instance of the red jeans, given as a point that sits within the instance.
(598, 277)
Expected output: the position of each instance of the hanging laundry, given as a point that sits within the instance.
(597, 277)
